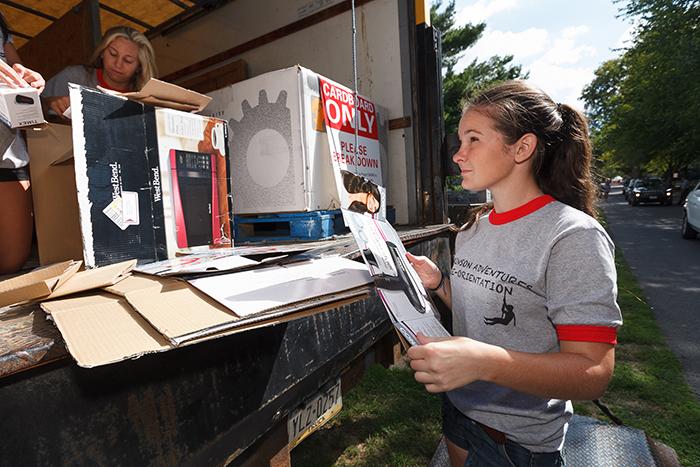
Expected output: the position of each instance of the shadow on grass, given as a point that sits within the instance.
(388, 419)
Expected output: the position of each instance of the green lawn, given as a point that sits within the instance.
(389, 419)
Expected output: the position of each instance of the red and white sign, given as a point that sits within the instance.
(359, 155)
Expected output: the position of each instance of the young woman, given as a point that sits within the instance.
(123, 61)
(532, 287)
(16, 222)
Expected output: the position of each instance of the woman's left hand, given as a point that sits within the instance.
(33, 78)
(446, 363)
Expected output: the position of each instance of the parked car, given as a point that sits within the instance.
(650, 190)
(627, 187)
(691, 214)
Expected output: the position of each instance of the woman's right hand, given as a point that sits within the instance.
(58, 104)
(428, 272)
(10, 77)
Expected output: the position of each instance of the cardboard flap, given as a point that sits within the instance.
(94, 278)
(132, 283)
(63, 158)
(102, 328)
(36, 284)
(162, 94)
(56, 136)
(179, 310)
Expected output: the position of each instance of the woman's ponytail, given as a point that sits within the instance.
(563, 170)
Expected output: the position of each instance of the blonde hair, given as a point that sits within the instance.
(147, 60)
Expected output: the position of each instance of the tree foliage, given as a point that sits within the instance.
(644, 106)
(460, 86)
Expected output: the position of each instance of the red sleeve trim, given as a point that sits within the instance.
(587, 333)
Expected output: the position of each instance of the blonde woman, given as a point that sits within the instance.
(123, 61)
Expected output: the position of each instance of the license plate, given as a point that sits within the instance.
(312, 415)
(653, 197)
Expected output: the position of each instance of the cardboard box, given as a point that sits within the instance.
(20, 107)
(280, 157)
(54, 193)
(142, 183)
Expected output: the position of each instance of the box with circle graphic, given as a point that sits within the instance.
(280, 158)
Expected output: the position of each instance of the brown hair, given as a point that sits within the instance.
(562, 158)
(147, 59)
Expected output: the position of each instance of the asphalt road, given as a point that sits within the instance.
(668, 269)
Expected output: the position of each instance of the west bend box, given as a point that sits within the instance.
(143, 182)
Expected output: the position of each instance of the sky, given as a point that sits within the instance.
(560, 43)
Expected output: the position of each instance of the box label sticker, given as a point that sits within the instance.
(184, 126)
(130, 207)
(124, 210)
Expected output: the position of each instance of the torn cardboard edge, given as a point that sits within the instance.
(37, 283)
(163, 94)
(102, 328)
(59, 280)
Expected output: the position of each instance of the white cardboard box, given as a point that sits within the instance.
(279, 149)
(20, 106)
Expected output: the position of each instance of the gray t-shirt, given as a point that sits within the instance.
(518, 279)
(78, 74)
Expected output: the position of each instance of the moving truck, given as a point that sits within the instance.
(237, 399)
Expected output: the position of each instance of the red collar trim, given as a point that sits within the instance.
(531, 206)
(103, 84)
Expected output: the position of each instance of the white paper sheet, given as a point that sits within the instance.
(250, 292)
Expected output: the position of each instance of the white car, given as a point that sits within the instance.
(691, 214)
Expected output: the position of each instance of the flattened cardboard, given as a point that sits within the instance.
(94, 279)
(102, 328)
(180, 312)
(60, 280)
(162, 94)
(99, 329)
(36, 284)
(134, 282)
(197, 263)
(251, 292)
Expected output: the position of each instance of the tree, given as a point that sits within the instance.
(460, 86)
(644, 105)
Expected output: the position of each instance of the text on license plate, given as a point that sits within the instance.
(312, 415)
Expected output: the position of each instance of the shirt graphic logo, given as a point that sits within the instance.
(507, 315)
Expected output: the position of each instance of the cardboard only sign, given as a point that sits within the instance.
(358, 157)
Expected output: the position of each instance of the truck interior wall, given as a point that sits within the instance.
(324, 47)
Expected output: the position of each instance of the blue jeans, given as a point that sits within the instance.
(483, 450)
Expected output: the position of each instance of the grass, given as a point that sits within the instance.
(389, 419)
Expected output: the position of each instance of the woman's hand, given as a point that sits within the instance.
(31, 77)
(58, 104)
(446, 363)
(428, 272)
(10, 77)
